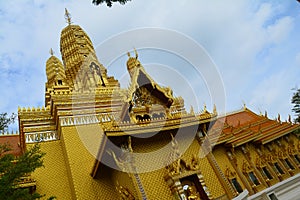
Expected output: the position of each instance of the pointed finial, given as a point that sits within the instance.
(192, 110)
(128, 54)
(225, 121)
(68, 16)
(204, 108)
(278, 118)
(266, 114)
(289, 119)
(244, 105)
(215, 109)
(136, 54)
(51, 52)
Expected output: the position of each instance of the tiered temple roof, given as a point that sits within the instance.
(245, 126)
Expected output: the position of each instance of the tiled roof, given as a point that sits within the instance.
(13, 141)
(244, 126)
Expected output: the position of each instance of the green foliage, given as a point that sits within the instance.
(12, 169)
(109, 2)
(296, 102)
(5, 120)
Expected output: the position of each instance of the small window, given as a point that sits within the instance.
(253, 178)
(59, 82)
(236, 185)
(289, 164)
(272, 196)
(160, 115)
(278, 168)
(266, 172)
(297, 158)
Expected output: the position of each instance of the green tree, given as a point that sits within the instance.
(5, 120)
(109, 2)
(296, 102)
(12, 168)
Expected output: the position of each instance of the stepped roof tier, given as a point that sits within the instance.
(245, 126)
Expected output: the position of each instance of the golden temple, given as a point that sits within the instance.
(105, 142)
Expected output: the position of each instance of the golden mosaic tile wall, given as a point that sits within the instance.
(80, 162)
(221, 157)
(52, 179)
(153, 181)
(155, 185)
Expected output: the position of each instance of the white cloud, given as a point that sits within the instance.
(280, 29)
(237, 34)
(273, 95)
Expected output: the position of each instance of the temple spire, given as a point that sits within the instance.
(68, 16)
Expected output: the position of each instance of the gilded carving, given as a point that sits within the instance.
(124, 193)
(125, 161)
(246, 167)
(195, 163)
(229, 173)
(192, 194)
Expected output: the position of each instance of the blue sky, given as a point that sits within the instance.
(254, 44)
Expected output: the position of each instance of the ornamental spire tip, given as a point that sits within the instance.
(51, 52)
(68, 16)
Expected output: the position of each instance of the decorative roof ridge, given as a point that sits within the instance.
(265, 138)
(33, 109)
(227, 114)
(9, 133)
(232, 113)
(277, 127)
(169, 122)
(251, 124)
(139, 70)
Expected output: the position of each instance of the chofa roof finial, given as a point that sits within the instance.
(51, 52)
(136, 53)
(244, 105)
